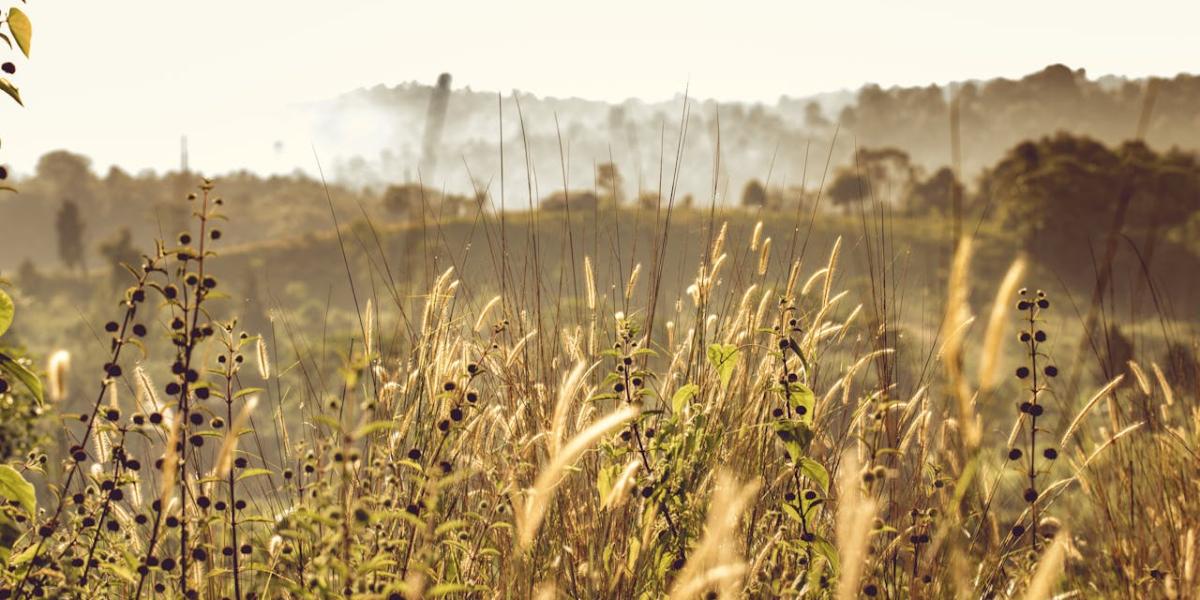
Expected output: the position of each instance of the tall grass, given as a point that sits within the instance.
(741, 440)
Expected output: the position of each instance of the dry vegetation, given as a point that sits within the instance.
(745, 440)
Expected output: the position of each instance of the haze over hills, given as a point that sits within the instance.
(377, 133)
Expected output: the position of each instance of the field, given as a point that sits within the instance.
(628, 403)
(417, 341)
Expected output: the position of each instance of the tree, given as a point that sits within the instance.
(608, 182)
(754, 195)
(935, 194)
(119, 250)
(847, 189)
(69, 225)
(70, 173)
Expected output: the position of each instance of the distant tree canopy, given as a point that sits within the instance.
(69, 226)
(888, 174)
(1069, 185)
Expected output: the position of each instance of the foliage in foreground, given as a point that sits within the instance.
(741, 442)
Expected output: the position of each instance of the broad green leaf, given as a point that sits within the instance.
(682, 396)
(7, 87)
(796, 437)
(816, 472)
(25, 376)
(803, 401)
(723, 358)
(6, 312)
(14, 488)
(604, 482)
(21, 28)
(824, 548)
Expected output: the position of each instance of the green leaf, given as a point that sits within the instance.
(6, 312)
(25, 376)
(796, 437)
(14, 488)
(7, 87)
(21, 28)
(248, 473)
(723, 358)
(604, 482)
(803, 401)
(682, 396)
(816, 472)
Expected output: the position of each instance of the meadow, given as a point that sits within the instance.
(632, 403)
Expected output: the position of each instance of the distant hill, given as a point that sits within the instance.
(378, 133)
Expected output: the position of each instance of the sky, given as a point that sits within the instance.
(121, 81)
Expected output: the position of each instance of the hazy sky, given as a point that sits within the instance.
(121, 81)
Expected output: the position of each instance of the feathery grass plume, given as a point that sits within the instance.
(147, 397)
(830, 269)
(224, 460)
(485, 312)
(755, 236)
(538, 498)
(996, 325)
(633, 278)
(566, 394)
(1140, 375)
(58, 368)
(1087, 407)
(264, 359)
(764, 257)
(368, 327)
(719, 244)
(621, 485)
(590, 279)
(957, 315)
(855, 514)
(170, 461)
(1168, 393)
(717, 561)
(1049, 569)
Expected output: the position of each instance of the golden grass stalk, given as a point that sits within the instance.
(1049, 569)
(590, 279)
(756, 236)
(1168, 394)
(1140, 375)
(957, 314)
(538, 498)
(264, 360)
(58, 367)
(633, 278)
(368, 327)
(764, 257)
(620, 487)
(997, 325)
(1087, 407)
(855, 513)
(229, 444)
(566, 393)
(716, 561)
(170, 466)
(487, 310)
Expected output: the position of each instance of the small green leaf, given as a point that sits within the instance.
(682, 396)
(14, 488)
(7, 87)
(723, 358)
(21, 28)
(248, 473)
(6, 312)
(25, 376)
(816, 472)
(803, 401)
